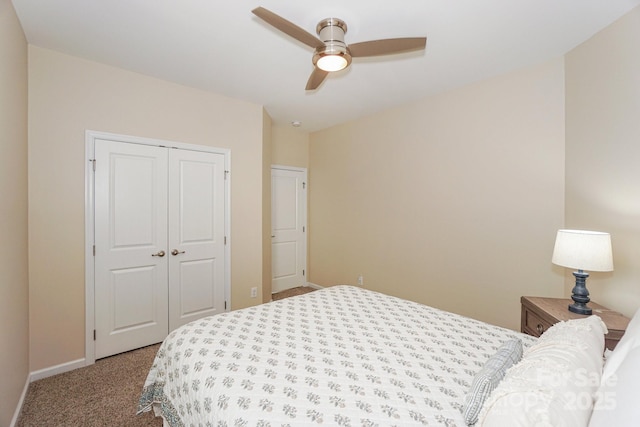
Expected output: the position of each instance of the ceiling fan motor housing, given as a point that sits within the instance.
(331, 31)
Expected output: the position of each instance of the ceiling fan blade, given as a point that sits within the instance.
(316, 78)
(387, 46)
(287, 27)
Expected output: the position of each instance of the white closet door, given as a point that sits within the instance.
(131, 243)
(196, 236)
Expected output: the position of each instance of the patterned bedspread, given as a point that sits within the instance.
(339, 356)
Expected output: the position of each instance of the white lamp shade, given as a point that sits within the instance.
(583, 250)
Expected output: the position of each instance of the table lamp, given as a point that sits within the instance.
(582, 250)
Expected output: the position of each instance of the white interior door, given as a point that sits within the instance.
(196, 236)
(130, 243)
(288, 228)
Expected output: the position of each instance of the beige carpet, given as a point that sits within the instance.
(104, 394)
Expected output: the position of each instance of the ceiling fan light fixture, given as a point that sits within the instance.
(334, 55)
(334, 62)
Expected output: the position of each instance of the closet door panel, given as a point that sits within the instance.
(196, 236)
(130, 235)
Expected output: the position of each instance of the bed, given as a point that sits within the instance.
(338, 356)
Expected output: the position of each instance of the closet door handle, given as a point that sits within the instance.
(160, 254)
(176, 252)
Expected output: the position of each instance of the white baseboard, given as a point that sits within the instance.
(314, 286)
(58, 369)
(16, 414)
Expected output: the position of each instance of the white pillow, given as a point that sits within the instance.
(629, 341)
(617, 399)
(554, 383)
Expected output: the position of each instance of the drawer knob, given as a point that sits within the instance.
(540, 328)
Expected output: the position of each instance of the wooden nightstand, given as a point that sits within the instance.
(538, 314)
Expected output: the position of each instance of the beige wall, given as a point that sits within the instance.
(603, 154)
(453, 201)
(69, 95)
(290, 146)
(14, 286)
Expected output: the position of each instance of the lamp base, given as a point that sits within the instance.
(580, 308)
(580, 294)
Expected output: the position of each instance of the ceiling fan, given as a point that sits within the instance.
(331, 52)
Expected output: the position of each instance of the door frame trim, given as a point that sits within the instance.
(306, 216)
(89, 220)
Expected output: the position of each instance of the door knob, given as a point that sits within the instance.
(176, 252)
(160, 254)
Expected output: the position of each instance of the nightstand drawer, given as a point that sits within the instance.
(532, 324)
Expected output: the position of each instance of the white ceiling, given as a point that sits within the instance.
(220, 46)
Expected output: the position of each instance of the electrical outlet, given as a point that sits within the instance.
(254, 292)
(360, 280)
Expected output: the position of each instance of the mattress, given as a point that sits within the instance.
(341, 356)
